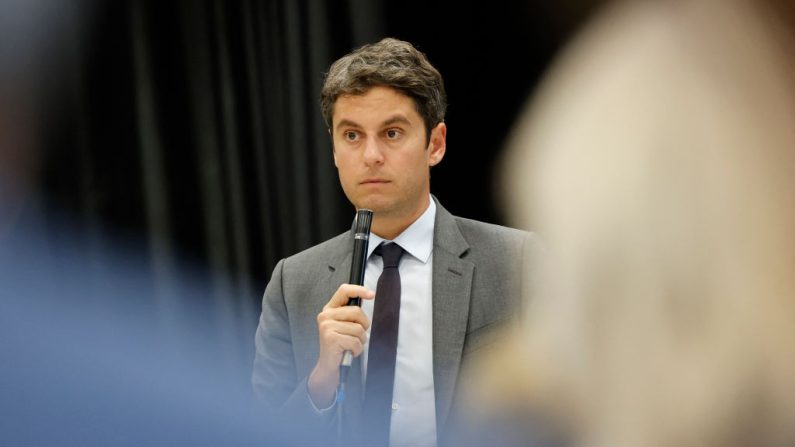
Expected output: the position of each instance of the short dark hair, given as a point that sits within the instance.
(389, 63)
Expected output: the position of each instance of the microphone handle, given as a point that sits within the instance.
(361, 237)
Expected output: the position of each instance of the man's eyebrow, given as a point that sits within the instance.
(397, 119)
(346, 123)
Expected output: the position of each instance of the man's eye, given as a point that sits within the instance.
(351, 135)
(392, 134)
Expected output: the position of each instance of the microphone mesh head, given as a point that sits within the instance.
(364, 218)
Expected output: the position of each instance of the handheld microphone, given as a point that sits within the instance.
(361, 237)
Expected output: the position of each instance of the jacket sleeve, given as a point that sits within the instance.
(283, 395)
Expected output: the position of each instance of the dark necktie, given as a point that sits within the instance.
(383, 347)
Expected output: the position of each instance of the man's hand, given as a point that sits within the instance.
(342, 328)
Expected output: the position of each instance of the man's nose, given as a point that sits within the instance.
(373, 153)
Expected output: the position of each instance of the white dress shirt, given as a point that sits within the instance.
(413, 401)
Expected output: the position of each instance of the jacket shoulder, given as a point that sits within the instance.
(476, 232)
(321, 255)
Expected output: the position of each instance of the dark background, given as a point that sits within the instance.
(191, 129)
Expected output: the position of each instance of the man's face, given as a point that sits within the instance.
(381, 153)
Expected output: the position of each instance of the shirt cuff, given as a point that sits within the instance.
(314, 407)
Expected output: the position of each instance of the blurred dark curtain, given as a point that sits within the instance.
(192, 129)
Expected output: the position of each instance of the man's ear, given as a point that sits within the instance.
(437, 144)
(333, 151)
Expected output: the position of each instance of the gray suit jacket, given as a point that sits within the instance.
(477, 286)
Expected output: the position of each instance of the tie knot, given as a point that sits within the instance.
(391, 253)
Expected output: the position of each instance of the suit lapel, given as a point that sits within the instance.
(452, 281)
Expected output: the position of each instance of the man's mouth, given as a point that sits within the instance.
(373, 181)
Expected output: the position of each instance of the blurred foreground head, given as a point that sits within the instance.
(658, 163)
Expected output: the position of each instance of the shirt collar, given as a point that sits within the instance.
(417, 239)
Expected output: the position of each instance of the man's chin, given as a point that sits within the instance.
(377, 205)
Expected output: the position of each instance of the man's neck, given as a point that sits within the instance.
(389, 227)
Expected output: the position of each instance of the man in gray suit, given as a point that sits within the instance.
(460, 279)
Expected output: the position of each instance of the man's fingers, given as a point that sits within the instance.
(342, 327)
(339, 336)
(350, 343)
(346, 292)
(351, 314)
(332, 327)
